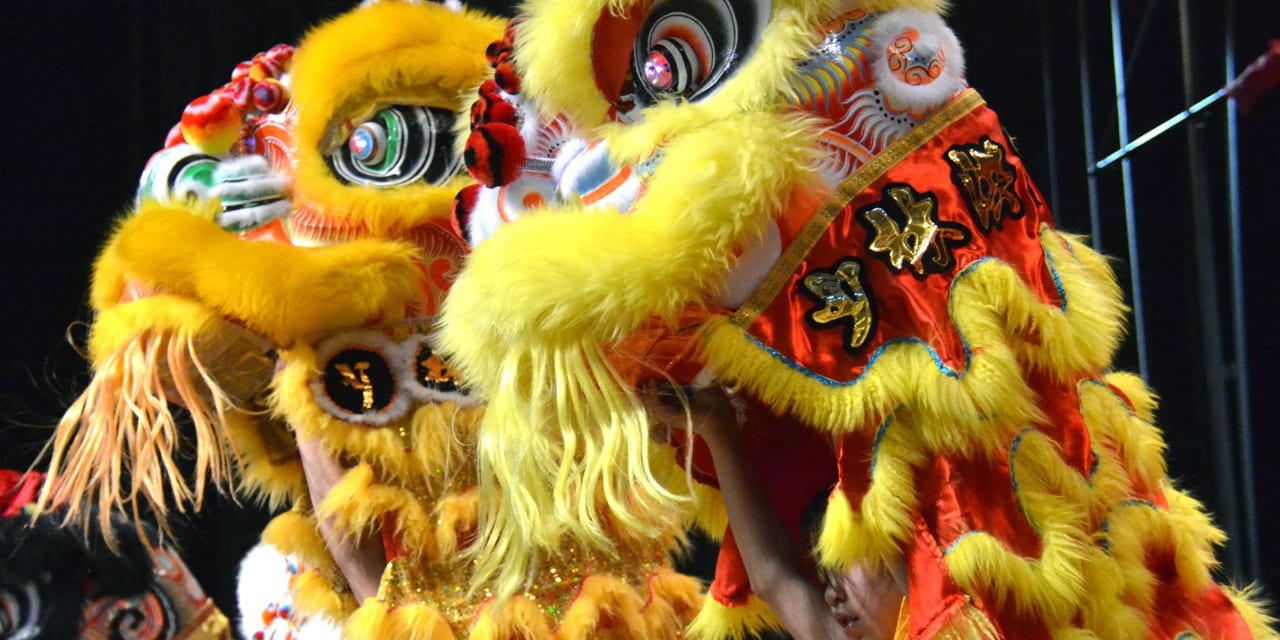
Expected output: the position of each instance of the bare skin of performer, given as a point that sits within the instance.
(860, 603)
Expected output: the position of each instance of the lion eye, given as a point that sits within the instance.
(399, 145)
(687, 48)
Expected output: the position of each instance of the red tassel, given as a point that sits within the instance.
(1257, 79)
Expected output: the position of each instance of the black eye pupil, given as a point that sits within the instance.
(672, 66)
(359, 381)
(369, 143)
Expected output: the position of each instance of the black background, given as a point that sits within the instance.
(92, 88)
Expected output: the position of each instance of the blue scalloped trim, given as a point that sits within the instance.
(1053, 273)
(875, 444)
(937, 359)
(1013, 477)
(954, 543)
(1106, 524)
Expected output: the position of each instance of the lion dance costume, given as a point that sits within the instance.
(55, 583)
(803, 200)
(290, 248)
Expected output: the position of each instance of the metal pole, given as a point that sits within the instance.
(1126, 172)
(1244, 440)
(1160, 129)
(1210, 308)
(1086, 99)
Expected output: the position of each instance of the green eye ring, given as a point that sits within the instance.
(398, 145)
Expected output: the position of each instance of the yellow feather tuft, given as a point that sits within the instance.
(294, 533)
(313, 595)
(711, 516)
(1055, 500)
(716, 621)
(674, 600)
(359, 505)
(270, 469)
(605, 607)
(455, 514)
(1253, 606)
(880, 6)
(516, 618)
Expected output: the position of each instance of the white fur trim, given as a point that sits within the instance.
(936, 40)
(262, 587)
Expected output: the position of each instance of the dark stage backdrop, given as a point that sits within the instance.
(93, 88)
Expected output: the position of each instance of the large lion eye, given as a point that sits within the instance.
(686, 48)
(397, 146)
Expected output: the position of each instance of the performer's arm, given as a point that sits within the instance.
(361, 561)
(772, 561)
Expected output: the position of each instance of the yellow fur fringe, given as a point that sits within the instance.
(374, 619)
(123, 421)
(288, 294)
(557, 462)
(314, 595)
(716, 621)
(270, 469)
(605, 607)
(674, 601)
(518, 618)
(1251, 604)
(294, 533)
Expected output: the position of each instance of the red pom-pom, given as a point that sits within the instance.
(463, 204)
(174, 137)
(212, 123)
(509, 33)
(503, 112)
(479, 112)
(506, 77)
(240, 92)
(489, 90)
(280, 54)
(496, 52)
(269, 96)
(495, 154)
(241, 70)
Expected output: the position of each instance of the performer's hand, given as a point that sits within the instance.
(709, 410)
(361, 560)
